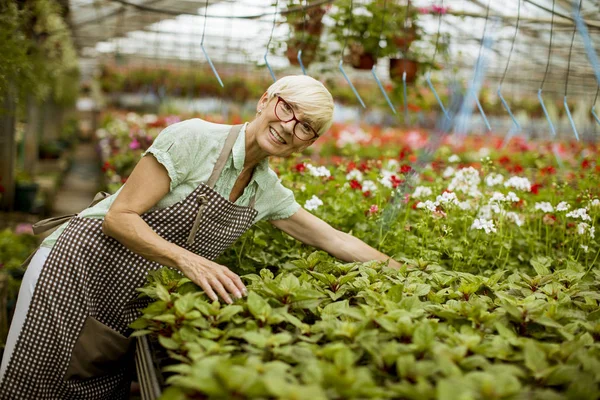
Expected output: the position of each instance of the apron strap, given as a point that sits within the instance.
(222, 160)
(49, 223)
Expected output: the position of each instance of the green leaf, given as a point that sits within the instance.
(228, 312)
(535, 357)
(167, 318)
(162, 292)
(541, 265)
(139, 323)
(168, 343)
(257, 339)
(594, 315)
(258, 306)
(424, 335)
(184, 304)
(142, 332)
(395, 293)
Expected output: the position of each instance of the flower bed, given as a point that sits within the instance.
(497, 298)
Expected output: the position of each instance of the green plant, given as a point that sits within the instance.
(369, 28)
(39, 58)
(306, 26)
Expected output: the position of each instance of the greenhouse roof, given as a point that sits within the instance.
(156, 32)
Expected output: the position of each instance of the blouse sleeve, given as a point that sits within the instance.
(176, 148)
(282, 202)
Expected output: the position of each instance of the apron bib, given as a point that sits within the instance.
(74, 342)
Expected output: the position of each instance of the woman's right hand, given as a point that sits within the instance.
(147, 184)
(212, 277)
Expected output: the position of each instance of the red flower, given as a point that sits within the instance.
(300, 167)
(550, 170)
(395, 181)
(404, 152)
(517, 169)
(367, 193)
(586, 164)
(363, 167)
(107, 166)
(535, 188)
(351, 166)
(123, 180)
(405, 168)
(354, 184)
(504, 160)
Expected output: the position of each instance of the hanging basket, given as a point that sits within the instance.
(363, 61)
(399, 65)
(309, 52)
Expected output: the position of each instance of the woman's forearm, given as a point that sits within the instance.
(350, 249)
(135, 234)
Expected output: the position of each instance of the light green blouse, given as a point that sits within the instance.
(189, 150)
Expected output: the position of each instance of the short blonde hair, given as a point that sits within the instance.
(310, 96)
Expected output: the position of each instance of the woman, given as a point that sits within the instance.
(196, 190)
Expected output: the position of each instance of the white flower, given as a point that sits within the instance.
(497, 197)
(454, 158)
(447, 198)
(313, 203)
(585, 248)
(494, 179)
(583, 227)
(514, 217)
(303, 188)
(386, 178)
(483, 224)
(580, 213)
(487, 211)
(150, 118)
(484, 152)
(563, 206)
(595, 203)
(354, 174)
(318, 171)
(466, 181)
(519, 183)
(422, 191)
(464, 205)
(448, 172)
(512, 197)
(428, 204)
(351, 137)
(544, 206)
(392, 164)
(369, 186)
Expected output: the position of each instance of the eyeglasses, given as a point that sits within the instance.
(285, 113)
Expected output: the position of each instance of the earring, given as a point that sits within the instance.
(259, 111)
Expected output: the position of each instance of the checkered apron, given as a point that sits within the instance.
(89, 274)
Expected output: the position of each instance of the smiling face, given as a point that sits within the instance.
(276, 137)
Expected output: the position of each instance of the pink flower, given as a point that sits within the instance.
(134, 145)
(374, 209)
(24, 229)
